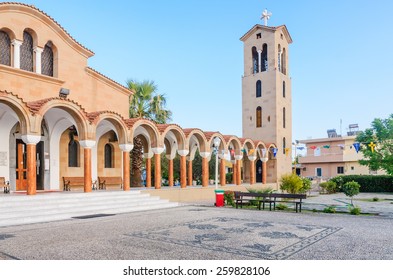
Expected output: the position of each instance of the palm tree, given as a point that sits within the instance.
(145, 103)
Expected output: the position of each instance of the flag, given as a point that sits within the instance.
(300, 148)
(263, 152)
(326, 147)
(275, 150)
(251, 152)
(286, 151)
(356, 145)
(313, 147)
(341, 146)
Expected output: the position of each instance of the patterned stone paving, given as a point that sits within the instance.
(266, 240)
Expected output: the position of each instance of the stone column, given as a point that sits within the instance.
(264, 170)
(16, 44)
(238, 158)
(234, 172)
(126, 148)
(38, 51)
(31, 162)
(87, 145)
(183, 167)
(148, 172)
(259, 61)
(189, 177)
(170, 175)
(222, 172)
(252, 169)
(205, 168)
(157, 171)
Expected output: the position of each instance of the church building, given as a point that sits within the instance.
(59, 118)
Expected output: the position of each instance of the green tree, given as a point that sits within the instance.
(148, 104)
(380, 134)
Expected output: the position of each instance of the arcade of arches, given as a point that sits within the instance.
(56, 121)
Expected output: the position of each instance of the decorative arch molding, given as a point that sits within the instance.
(196, 135)
(40, 107)
(21, 109)
(7, 7)
(210, 138)
(116, 121)
(149, 127)
(235, 142)
(176, 132)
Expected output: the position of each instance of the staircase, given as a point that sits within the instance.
(19, 209)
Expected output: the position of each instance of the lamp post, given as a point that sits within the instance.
(216, 145)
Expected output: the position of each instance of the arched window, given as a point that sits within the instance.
(47, 60)
(259, 89)
(259, 117)
(108, 156)
(264, 58)
(73, 153)
(284, 145)
(283, 89)
(283, 117)
(5, 48)
(284, 61)
(26, 52)
(255, 63)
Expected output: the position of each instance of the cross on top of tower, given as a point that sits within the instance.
(266, 16)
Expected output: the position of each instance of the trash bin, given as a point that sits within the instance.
(219, 198)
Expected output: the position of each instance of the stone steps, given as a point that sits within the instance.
(23, 209)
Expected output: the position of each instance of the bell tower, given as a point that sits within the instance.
(266, 95)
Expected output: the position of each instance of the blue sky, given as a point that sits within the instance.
(340, 59)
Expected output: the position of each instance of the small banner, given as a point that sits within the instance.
(313, 147)
(286, 151)
(263, 152)
(372, 146)
(251, 152)
(356, 145)
(342, 146)
(326, 147)
(275, 150)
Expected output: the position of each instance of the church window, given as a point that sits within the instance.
(5, 49)
(259, 35)
(47, 60)
(264, 58)
(108, 156)
(283, 117)
(255, 65)
(284, 145)
(73, 153)
(259, 116)
(26, 52)
(279, 58)
(284, 62)
(259, 89)
(283, 89)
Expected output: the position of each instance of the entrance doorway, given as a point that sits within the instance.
(21, 165)
(259, 170)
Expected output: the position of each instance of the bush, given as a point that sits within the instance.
(267, 190)
(329, 187)
(329, 209)
(354, 210)
(351, 189)
(291, 183)
(368, 183)
(229, 198)
(375, 199)
(228, 178)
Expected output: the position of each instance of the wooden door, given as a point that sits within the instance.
(21, 167)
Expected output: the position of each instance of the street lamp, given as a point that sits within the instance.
(216, 145)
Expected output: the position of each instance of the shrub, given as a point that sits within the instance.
(351, 189)
(329, 209)
(292, 183)
(228, 177)
(329, 187)
(281, 206)
(267, 190)
(368, 183)
(354, 210)
(375, 199)
(306, 184)
(229, 198)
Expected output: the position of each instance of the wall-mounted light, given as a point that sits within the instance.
(64, 92)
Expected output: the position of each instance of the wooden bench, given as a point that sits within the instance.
(72, 182)
(288, 198)
(104, 181)
(5, 185)
(249, 197)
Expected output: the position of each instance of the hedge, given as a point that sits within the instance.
(368, 183)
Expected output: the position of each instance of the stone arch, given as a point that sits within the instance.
(146, 128)
(174, 136)
(196, 140)
(19, 107)
(115, 121)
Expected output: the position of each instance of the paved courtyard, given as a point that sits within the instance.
(203, 232)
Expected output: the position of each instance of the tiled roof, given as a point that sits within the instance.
(94, 115)
(35, 106)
